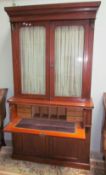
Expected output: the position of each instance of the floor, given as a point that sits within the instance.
(8, 166)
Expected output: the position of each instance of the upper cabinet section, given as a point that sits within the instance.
(52, 50)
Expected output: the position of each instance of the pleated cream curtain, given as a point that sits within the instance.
(69, 46)
(32, 48)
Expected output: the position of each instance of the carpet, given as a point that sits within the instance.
(8, 166)
(7, 173)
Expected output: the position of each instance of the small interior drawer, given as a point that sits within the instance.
(24, 111)
(74, 114)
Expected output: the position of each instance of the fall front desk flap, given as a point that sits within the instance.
(46, 127)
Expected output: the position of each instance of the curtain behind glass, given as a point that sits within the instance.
(69, 43)
(32, 48)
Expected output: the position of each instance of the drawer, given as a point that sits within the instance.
(24, 111)
(74, 114)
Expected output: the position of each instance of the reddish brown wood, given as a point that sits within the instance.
(87, 63)
(46, 149)
(24, 111)
(41, 15)
(87, 118)
(16, 62)
(29, 144)
(13, 111)
(87, 71)
(20, 100)
(85, 10)
(50, 79)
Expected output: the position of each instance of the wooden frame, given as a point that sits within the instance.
(79, 134)
(86, 82)
(65, 11)
(17, 64)
(70, 11)
(49, 148)
(85, 93)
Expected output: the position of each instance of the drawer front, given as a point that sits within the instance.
(24, 111)
(74, 114)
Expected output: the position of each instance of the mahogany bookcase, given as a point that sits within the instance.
(51, 110)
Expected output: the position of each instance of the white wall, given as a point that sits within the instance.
(99, 61)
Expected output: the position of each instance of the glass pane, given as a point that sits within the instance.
(32, 49)
(69, 43)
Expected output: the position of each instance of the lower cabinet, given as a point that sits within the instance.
(48, 149)
(56, 134)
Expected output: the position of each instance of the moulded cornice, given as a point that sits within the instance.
(82, 10)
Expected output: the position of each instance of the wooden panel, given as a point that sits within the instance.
(44, 112)
(87, 118)
(51, 149)
(24, 111)
(78, 150)
(35, 111)
(60, 150)
(72, 103)
(35, 145)
(54, 11)
(53, 112)
(17, 143)
(61, 112)
(75, 114)
(13, 111)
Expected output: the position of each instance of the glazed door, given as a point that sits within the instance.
(53, 60)
(33, 60)
(68, 60)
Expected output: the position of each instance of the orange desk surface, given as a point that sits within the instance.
(11, 127)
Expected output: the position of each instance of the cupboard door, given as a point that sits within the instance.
(34, 63)
(29, 145)
(68, 59)
(69, 43)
